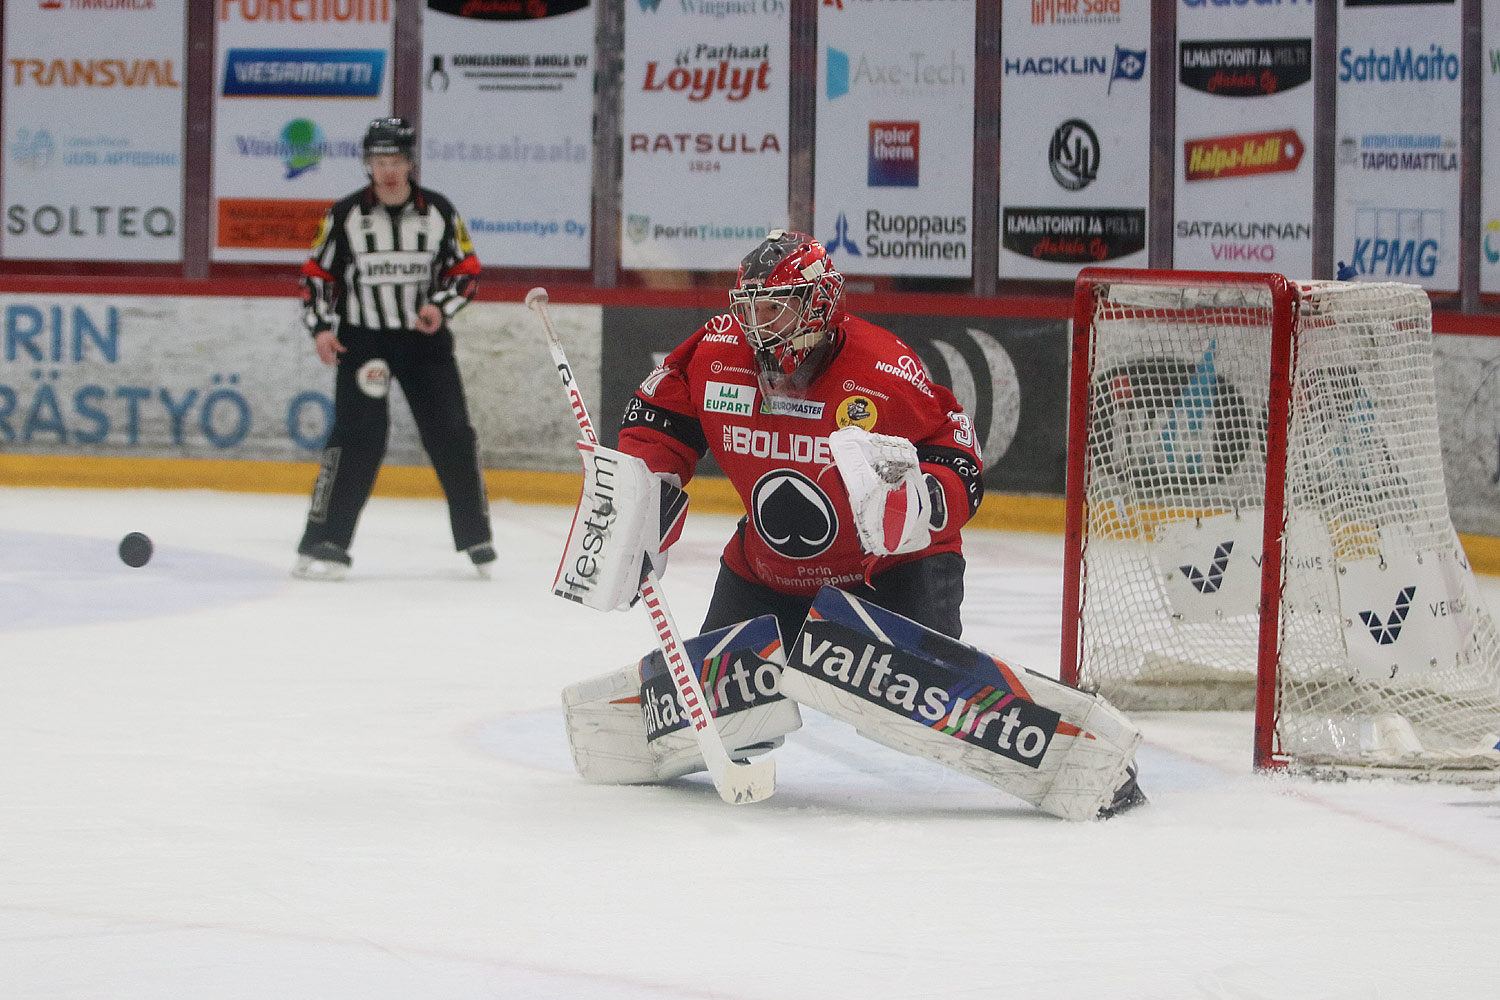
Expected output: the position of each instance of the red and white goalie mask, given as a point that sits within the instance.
(790, 302)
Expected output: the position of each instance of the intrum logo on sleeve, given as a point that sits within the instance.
(981, 712)
(729, 397)
(395, 267)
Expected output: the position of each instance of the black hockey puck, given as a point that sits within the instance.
(135, 549)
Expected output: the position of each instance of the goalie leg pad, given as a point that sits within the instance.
(915, 690)
(623, 730)
(740, 668)
(603, 720)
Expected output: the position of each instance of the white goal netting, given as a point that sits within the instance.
(1385, 655)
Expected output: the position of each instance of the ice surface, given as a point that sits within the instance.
(220, 782)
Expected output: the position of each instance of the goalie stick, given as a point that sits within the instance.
(735, 782)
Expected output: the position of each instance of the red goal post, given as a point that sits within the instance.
(1256, 517)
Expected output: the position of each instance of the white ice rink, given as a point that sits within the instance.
(220, 783)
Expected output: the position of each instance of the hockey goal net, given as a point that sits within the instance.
(1257, 518)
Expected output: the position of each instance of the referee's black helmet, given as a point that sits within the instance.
(390, 137)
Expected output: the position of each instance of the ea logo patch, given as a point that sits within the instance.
(793, 516)
(857, 411)
(374, 378)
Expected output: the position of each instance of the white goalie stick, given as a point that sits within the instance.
(736, 782)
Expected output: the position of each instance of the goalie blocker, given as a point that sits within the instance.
(629, 726)
(627, 518)
(920, 692)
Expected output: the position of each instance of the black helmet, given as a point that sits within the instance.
(390, 137)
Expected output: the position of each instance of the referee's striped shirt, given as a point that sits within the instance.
(374, 266)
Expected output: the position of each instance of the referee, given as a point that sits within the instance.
(391, 264)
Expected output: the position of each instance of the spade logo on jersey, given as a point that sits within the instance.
(1387, 631)
(792, 515)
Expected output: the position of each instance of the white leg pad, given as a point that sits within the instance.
(741, 668)
(912, 689)
(1077, 777)
(746, 734)
(605, 731)
(624, 729)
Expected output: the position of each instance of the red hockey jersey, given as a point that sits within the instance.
(800, 531)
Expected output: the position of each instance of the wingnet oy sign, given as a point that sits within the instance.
(705, 123)
(93, 115)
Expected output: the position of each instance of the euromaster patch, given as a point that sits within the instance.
(804, 409)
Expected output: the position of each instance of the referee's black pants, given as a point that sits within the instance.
(425, 368)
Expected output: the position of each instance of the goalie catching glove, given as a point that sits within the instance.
(627, 517)
(888, 492)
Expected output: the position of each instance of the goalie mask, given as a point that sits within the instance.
(789, 301)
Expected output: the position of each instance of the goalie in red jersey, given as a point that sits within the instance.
(857, 473)
(856, 470)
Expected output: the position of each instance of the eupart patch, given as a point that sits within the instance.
(729, 397)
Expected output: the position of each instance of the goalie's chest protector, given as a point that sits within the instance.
(775, 451)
